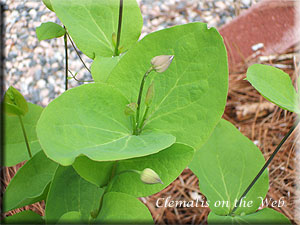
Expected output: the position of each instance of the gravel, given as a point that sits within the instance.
(37, 68)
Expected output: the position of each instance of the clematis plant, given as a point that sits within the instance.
(98, 147)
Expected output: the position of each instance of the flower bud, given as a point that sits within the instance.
(161, 63)
(148, 176)
(130, 109)
(149, 95)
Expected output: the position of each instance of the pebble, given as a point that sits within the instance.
(36, 68)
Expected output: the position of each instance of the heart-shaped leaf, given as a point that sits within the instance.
(190, 96)
(69, 192)
(24, 217)
(225, 166)
(168, 164)
(15, 150)
(30, 182)
(275, 85)
(89, 120)
(122, 208)
(92, 23)
(264, 216)
(49, 30)
(14, 103)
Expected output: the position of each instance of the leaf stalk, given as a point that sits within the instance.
(25, 137)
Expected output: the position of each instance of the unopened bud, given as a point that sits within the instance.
(149, 176)
(149, 95)
(161, 63)
(130, 109)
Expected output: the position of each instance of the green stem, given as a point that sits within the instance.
(144, 117)
(66, 59)
(264, 167)
(25, 137)
(119, 28)
(139, 101)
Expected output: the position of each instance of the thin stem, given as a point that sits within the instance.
(74, 77)
(66, 59)
(119, 28)
(77, 52)
(144, 117)
(139, 100)
(264, 167)
(25, 137)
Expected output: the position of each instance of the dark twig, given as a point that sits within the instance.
(66, 59)
(77, 52)
(119, 28)
(74, 77)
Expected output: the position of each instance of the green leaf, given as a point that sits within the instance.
(89, 120)
(122, 208)
(49, 30)
(91, 24)
(24, 217)
(190, 96)
(225, 166)
(168, 164)
(14, 103)
(30, 182)
(70, 217)
(15, 150)
(48, 4)
(275, 85)
(102, 66)
(264, 216)
(69, 192)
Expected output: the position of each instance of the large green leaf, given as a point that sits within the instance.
(89, 120)
(120, 208)
(190, 96)
(168, 164)
(30, 182)
(102, 67)
(91, 23)
(225, 166)
(24, 217)
(69, 192)
(15, 150)
(275, 85)
(264, 216)
(49, 30)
